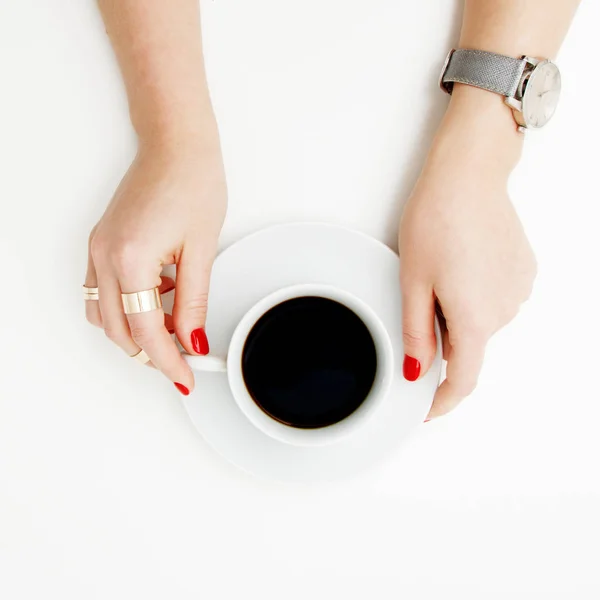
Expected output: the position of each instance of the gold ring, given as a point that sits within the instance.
(90, 293)
(140, 302)
(141, 357)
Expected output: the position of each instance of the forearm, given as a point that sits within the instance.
(517, 27)
(513, 27)
(159, 49)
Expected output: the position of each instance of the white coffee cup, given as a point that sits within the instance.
(267, 424)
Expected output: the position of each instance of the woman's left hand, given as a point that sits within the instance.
(462, 246)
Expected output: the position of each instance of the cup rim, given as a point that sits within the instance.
(331, 433)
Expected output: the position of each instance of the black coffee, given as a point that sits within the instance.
(309, 362)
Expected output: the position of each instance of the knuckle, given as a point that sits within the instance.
(97, 245)
(125, 257)
(92, 236)
(529, 281)
(529, 289)
(197, 305)
(509, 313)
(141, 335)
(122, 255)
(413, 337)
(113, 334)
(534, 269)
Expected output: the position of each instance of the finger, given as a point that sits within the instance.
(114, 321)
(418, 330)
(462, 371)
(92, 309)
(149, 333)
(117, 325)
(168, 325)
(148, 330)
(191, 300)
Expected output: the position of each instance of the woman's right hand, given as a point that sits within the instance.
(168, 209)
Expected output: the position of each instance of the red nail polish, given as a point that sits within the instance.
(426, 420)
(200, 341)
(168, 290)
(411, 368)
(182, 389)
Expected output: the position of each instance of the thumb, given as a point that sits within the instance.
(191, 301)
(418, 329)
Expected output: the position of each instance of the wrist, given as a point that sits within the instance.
(480, 127)
(181, 141)
(175, 146)
(179, 125)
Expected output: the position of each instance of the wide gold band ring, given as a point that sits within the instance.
(141, 302)
(141, 357)
(90, 293)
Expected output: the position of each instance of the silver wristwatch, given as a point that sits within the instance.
(531, 86)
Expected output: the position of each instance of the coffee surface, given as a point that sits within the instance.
(309, 362)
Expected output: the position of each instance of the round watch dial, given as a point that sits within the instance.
(541, 95)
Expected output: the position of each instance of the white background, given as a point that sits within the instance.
(326, 108)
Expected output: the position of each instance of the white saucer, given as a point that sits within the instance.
(282, 256)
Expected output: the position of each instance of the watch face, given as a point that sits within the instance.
(541, 95)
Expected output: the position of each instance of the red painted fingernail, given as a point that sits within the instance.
(426, 420)
(200, 341)
(171, 331)
(411, 368)
(168, 290)
(182, 389)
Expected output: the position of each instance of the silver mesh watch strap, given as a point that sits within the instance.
(493, 72)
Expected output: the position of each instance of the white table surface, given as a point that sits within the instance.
(326, 108)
